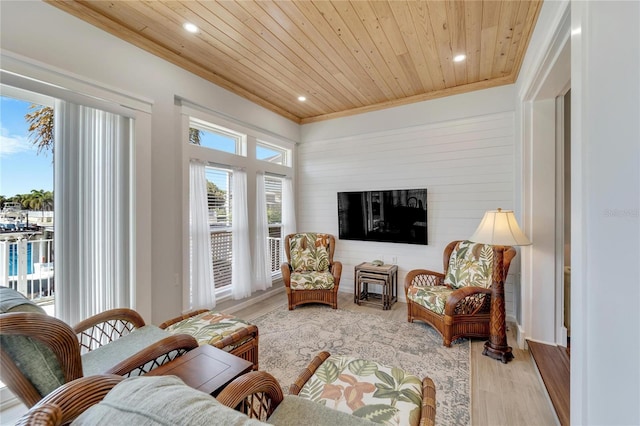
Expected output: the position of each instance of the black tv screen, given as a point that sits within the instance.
(394, 216)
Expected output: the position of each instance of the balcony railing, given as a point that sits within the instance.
(27, 266)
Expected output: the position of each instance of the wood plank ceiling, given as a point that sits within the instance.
(345, 57)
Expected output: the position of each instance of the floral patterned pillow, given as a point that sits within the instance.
(470, 264)
(309, 252)
(366, 389)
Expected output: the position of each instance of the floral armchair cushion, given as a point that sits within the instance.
(312, 280)
(210, 327)
(366, 389)
(309, 252)
(470, 264)
(433, 298)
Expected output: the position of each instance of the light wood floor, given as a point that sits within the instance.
(501, 394)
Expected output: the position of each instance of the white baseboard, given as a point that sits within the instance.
(254, 300)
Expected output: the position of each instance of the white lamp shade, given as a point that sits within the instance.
(500, 228)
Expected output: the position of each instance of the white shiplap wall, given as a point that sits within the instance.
(467, 166)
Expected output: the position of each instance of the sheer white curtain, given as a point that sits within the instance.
(94, 211)
(288, 208)
(261, 256)
(241, 264)
(200, 270)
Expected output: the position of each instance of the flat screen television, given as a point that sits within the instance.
(393, 216)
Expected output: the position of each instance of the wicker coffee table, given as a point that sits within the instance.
(205, 368)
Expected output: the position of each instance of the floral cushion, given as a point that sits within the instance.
(366, 389)
(312, 280)
(210, 327)
(433, 298)
(470, 264)
(309, 252)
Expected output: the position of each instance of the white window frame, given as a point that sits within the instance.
(192, 113)
(224, 291)
(240, 139)
(284, 152)
(275, 272)
(20, 74)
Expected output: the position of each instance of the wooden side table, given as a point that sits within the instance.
(385, 276)
(205, 368)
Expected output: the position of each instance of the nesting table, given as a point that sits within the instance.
(205, 368)
(386, 276)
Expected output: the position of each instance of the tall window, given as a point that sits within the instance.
(273, 189)
(246, 231)
(219, 201)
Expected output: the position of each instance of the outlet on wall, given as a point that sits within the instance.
(394, 260)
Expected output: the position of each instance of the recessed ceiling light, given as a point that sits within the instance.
(190, 27)
(302, 98)
(459, 58)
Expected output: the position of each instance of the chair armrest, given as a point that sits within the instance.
(422, 278)
(182, 318)
(231, 339)
(306, 374)
(66, 403)
(153, 356)
(286, 269)
(106, 327)
(336, 271)
(428, 412)
(256, 394)
(458, 297)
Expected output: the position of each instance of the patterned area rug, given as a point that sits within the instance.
(290, 339)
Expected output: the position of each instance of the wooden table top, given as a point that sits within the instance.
(205, 368)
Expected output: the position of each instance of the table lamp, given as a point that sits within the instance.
(500, 229)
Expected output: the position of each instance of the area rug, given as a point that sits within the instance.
(290, 339)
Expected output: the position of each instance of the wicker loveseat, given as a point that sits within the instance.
(457, 302)
(310, 274)
(256, 397)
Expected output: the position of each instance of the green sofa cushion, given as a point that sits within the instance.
(36, 361)
(13, 301)
(162, 400)
(296, 411)
(98, 360)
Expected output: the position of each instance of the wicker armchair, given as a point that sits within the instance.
(456, 303)
(38, 353)
(310, 274)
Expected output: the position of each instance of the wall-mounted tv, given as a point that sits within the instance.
(393, 216)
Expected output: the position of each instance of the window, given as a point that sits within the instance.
(221, 228)
(273, 189)
(272, 153)
(219, 197)
(218, 138)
